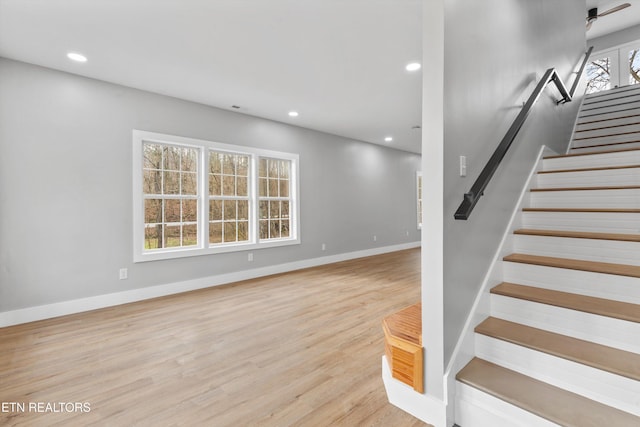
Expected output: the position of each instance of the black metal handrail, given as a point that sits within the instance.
(477, 190)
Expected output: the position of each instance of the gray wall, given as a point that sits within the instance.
(66, 191)
(615, 39)
(495, 52)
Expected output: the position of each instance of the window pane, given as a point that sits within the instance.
(189, 210)
(229, 209)
(215, 163)
(634, 67)
(243, 231)
(171, 183)
(152, 182)
(153, 237)
(172, 211)
(243, 209)
(190, 235)
(171, 157)
(262, 168)
(273, 188)
(229, 231)
(171, 236)
(273, 168)
(274, 210)
(189, 183)
(152, 154)
(285, 166)
(152, 211)
(264, 209)
(264, 229)
(215, 185)
(215, 210)
(285, 228)
(215, 232)
(242, 186)
(284, 188)
(263, 187)
(285, 210)
(189, 160)
(228, 185)
(243, 166)
(228, 164)
(598, 75)
(274, 229)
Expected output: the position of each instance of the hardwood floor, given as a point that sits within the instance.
(302, 348)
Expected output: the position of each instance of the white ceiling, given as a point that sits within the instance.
(616, 21)
(339, 63)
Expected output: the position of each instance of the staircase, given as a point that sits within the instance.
(562, 343)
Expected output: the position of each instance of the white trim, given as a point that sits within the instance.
(426, 408)
(31, 314)
(464, 349)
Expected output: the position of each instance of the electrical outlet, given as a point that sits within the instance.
(124, 273)
(324, 247)
(463, 165)
(250, 257)
(375, 238)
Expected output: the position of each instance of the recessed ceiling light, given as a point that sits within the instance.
(293, 113)
(388, 139)
(414, 66)
(76, 57)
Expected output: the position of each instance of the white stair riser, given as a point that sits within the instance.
(610, 139)
(595, 110)
(621, 199)
(475, 408)
(598, 178)
(618, 252)
(603, 330)
(620, 99)
(623, 158)
(603, 148)
(607, 286)
(602, 386)
(606, 128)
(625, 223)
(621, 123)
(603, 118)
(616, 93)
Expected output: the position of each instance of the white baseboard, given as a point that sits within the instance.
(422, 406)
(47, 311)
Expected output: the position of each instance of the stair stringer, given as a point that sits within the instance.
(464, 350)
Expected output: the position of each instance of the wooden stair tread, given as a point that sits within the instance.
(593, 305)
(598, 356)
(549, 402)
(580, 235)
(591, 169)
(590, 154)
(608, 144)
(576, 264)
(406, 324)
(620, 187)
(592, 210)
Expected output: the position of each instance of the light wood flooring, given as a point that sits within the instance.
(296, 349)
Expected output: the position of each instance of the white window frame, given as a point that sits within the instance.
(140, 254)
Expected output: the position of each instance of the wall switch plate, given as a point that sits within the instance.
(463, 165)
(124, 273)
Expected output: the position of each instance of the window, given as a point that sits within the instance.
(194, 197)
(419, 191)
(616, 67)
